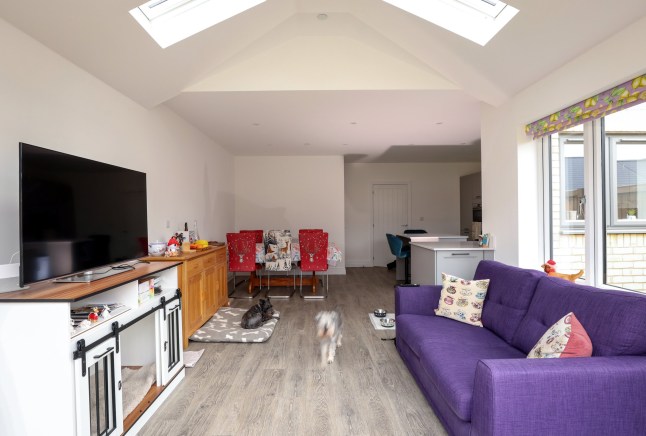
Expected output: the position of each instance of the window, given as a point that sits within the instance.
(567, 203)
(597, 199)
(624, 139)
(171, 21)
(476, 20)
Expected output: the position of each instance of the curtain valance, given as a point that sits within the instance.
(618, 98)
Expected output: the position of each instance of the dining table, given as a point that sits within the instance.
(334, 256)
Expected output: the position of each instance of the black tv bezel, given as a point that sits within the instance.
(80, 273)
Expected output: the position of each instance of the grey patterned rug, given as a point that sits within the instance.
(224, 326)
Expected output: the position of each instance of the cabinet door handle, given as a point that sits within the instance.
(165, 345)
(460, 254)
(104, 353)
(119, 385)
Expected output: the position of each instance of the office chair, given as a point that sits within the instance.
(400, 251)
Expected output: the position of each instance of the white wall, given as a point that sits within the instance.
(510, 160)
(47, 101)
(292, 192)
(435, 200)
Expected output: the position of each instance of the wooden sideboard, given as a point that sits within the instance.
(202, 278)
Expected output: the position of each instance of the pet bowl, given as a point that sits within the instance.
(156, 248)
(387, 322)
(380, 313)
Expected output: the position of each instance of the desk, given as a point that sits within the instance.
(400, 273)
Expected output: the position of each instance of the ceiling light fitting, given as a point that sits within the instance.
(171, 21)
(322, 17)
(476, 20)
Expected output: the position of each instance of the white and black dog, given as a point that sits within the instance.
(329, 329)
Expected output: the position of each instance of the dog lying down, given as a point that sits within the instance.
(257, 315)
(329, 330)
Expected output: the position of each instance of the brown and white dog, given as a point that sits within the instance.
(329, 332)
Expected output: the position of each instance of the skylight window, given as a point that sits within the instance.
(170, 21)
(476, 20)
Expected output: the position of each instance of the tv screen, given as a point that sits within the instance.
(77, 214)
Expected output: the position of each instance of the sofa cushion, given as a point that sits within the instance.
(508, 296)
(614, 320)
(450, 363)
(566, 338)
(462, 299)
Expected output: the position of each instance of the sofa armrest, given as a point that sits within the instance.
(596, 395)
(417, 300)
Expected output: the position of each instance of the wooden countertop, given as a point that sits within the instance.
(68, 292)
(185, 255)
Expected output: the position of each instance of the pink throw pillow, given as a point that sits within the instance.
(566, 338)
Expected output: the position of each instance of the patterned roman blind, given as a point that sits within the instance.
(615, 99)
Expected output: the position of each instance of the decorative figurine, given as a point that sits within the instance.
(550, 269)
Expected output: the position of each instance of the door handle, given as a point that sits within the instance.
(460, 254)
(104, 353)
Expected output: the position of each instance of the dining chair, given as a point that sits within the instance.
(258, 235)
(259, 239)
(400, 251)
(278, 257)
(241, 250)
(313, 256)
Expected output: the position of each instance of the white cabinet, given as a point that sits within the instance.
(430, 260)
(59, 381)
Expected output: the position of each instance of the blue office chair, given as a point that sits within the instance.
(400, 251)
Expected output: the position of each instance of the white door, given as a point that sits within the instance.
(389, 215)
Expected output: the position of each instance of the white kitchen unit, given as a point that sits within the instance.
(61, 380)
(400, 271)
(430, 259)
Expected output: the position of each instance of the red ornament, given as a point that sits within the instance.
(94, 317)
(173, 241)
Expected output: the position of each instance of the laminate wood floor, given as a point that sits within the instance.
(280, 388)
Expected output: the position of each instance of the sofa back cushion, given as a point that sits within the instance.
(508, 296)
(614, 320)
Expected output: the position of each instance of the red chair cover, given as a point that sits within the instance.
(310, 231)
(313, 250)
(257, 234)
(242, 251)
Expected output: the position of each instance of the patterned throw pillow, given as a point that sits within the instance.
(566, 338)
(462, 300)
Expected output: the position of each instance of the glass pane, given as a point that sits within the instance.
(625, 205)
(567, 200)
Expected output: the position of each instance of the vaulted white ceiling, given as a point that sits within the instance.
(370, 82)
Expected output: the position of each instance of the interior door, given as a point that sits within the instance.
(389, 215)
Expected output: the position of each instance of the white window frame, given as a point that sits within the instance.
(616, 223)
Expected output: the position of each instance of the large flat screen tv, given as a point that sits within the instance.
(78, 217)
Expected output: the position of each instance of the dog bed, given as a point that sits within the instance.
(224, 326)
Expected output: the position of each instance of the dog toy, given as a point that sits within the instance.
(550, 269)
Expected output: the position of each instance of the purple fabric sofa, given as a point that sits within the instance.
(479, 381)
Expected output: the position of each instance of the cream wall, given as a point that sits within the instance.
(510, 160)
(291, 192)
(435, 197)
(47, 101)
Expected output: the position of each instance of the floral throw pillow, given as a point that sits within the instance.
(462, 300)
(566, 338)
